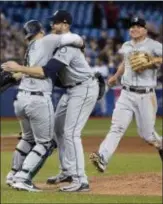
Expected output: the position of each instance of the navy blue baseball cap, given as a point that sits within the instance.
(137, 21)
(61, 16)
(32, 28)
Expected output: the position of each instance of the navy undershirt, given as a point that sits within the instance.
(52, 68)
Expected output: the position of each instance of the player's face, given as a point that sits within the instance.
(58, 28)
(137, 31)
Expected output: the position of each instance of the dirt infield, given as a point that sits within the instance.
(144, 184)
(127, 145)
(131, 184)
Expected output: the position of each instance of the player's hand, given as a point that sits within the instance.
(112, 81)
(17, 75)
(10, 66)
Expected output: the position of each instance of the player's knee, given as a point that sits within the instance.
(24, 147)
(21, 151)
(36, 158)
(45, 149)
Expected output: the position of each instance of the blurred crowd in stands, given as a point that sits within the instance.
(12, 41)
(102, 54)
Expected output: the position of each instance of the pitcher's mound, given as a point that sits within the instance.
(131, 184)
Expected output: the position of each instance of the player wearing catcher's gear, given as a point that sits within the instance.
(34, 107)
(137, 96)
(74, 107)
(8, 79)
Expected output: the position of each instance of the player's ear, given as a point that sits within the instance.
(43, 32)
(51, 25)
(146, 31)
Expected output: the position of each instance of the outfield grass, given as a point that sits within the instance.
(120, 164)
(94, 127)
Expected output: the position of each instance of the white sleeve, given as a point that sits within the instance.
(157, 48)
(71, 39)
(121, 50)
(51, 41)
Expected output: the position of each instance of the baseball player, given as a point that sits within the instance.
(8, 79)
(141, 55)
(34, 108)
(75, 106)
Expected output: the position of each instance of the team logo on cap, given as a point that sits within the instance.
(135, 19)
(55, 13)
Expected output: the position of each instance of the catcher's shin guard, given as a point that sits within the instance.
(35, 160)
(21, 151)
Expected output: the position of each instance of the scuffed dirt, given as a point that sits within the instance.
(144, 184)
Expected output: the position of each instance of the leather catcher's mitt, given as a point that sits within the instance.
(140, 61)
(101, 85)
(6, 80)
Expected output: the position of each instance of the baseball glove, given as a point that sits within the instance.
(140, 61)
(101, 85)
(6, 81)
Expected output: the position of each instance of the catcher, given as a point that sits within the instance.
(139, 68)
(8, 79)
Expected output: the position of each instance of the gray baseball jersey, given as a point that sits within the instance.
(35, 112)
(39, 52)
(74, 109)
(142, 106)
(77, 69)
(147, 78)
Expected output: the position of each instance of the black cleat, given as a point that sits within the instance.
(84, 188)
(75, 187)
(59, 179)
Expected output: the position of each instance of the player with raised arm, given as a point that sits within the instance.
(75, 106)
(34, 107)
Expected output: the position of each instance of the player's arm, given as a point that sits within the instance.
(53, 41)
(11, 66)
(71, 39)
(61, 59)
(49, 70)
(157, 51)
(120, 70)
(112, 80)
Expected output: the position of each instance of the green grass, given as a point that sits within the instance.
(94, 127)
(51, 197)
(120, 164)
